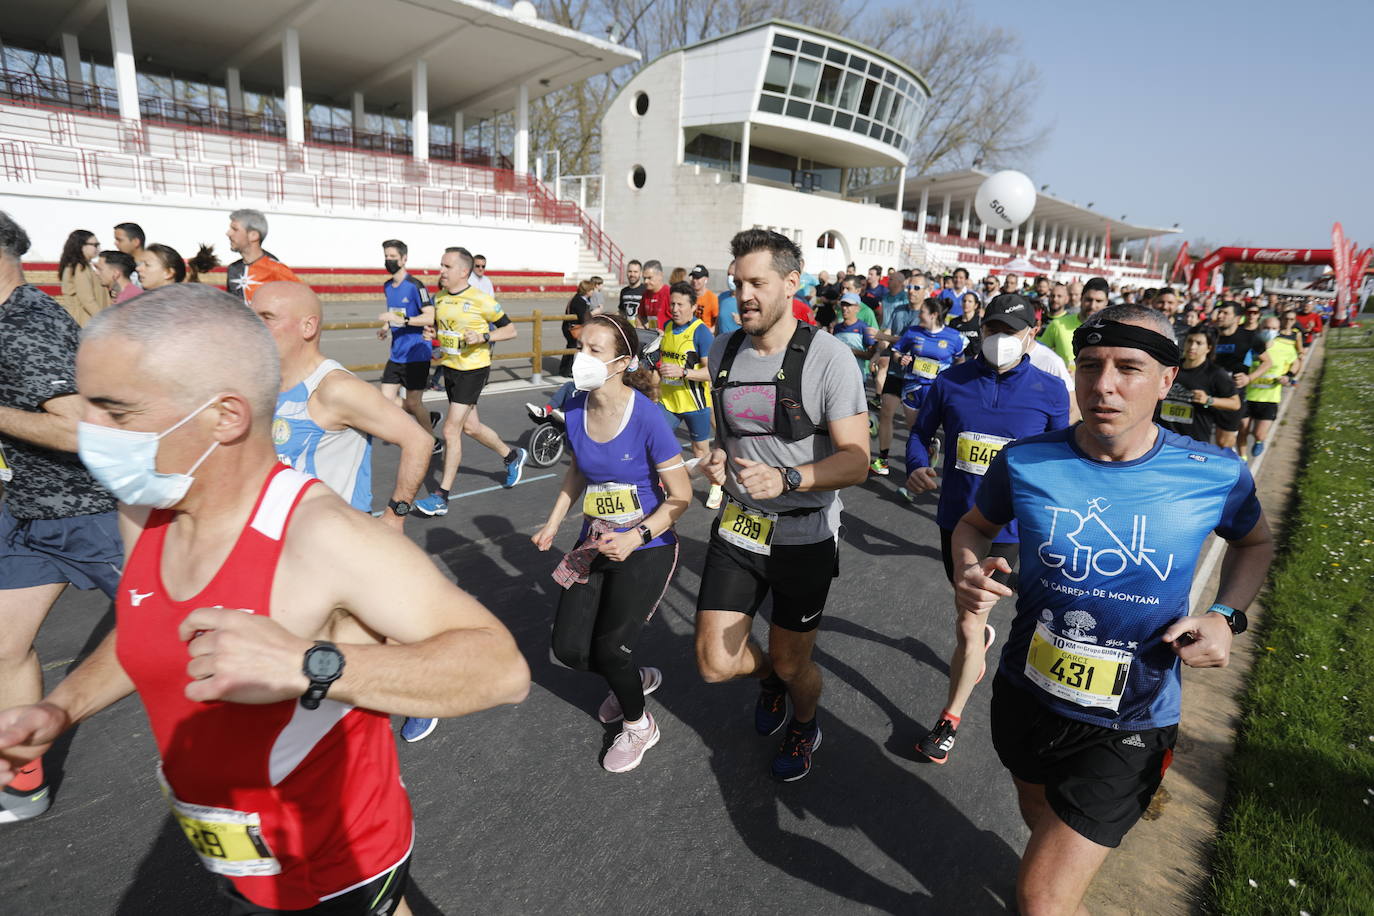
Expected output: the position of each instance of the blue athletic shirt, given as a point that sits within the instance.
(1108, 552)
(932, 352)
(631, 456)
(727, 318)
(408, 344)
(981, 411)
(900, 317)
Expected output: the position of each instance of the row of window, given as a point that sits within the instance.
(876, 246)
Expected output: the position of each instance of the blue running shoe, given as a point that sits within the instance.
(515, 467)
(432, 505)
(1257, 450)
(794, 754)
(770, 713)
(417, 729)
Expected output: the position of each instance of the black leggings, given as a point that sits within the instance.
(598, 624)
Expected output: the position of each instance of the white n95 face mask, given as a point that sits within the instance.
(588, 372)
(1002, 349)
(124, 462)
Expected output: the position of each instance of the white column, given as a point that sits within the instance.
(233, 86)
(901, 191)
(1054, 238)
(122, 45)
(291, 83)
(71, 57)
(1121, 247)
(924, 212)
(459, 128)
(1040, 238)
(1030, 235)
(982, 233)
(964, 226)
(1000, 234)
(359, 115)
(1015, 236)
(745, 133)
(944, 217)
(419, 110)
(522, 130)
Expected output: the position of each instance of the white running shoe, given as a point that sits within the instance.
(629, 746)
(714, 497)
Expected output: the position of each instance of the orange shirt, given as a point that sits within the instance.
(708, 309)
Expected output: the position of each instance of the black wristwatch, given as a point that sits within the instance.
(791, 479)
(645, 533)
(1235, 619)
(399, 506)
(323, 664)
(486, 337)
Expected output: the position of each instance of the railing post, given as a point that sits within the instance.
(537, 348)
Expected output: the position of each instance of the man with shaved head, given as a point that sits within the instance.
(1113, 512)
(327, 416)
(251, 621)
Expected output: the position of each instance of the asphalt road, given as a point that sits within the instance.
(513, 811)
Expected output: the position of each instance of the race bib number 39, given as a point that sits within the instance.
(617, 503)
(228, 842)
(973, 452)
(1079, 672)
(747, 529)
(1176, 410)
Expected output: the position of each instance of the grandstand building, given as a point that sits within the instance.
(172, 114)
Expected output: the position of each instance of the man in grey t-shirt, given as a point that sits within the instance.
(780, 466)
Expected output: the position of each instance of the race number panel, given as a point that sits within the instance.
(1079, 672)
(229, 843)
(925, 368)
(973, 452)
(617, 503)
(746, 528)
(1177, 411)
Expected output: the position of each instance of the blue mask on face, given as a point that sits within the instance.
(125, 463)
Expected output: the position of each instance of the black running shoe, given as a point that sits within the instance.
(794, 754)
(770, 713)
(937, 745)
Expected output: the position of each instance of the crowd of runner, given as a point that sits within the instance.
(1088, 438)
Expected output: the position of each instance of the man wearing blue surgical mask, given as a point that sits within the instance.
(57, 526)
(981, 404)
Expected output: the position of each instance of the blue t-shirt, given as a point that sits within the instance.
(1108, 553)
(857, 335)
(956, 302)
(727, 319)
(631, 457)
(981, 411)
(900, 317)
(932, 352)
(806, 285)
(408, 344)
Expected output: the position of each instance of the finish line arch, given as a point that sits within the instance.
(1202, 270)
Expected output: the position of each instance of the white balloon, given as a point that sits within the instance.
(1005, 200)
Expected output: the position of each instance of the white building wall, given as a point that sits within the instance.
(868, 234)
(299, 237)
(721, 79)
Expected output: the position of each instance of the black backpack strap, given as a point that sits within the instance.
(727, 358)
(791, 420)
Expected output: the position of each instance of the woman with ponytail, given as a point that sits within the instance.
(624, 458)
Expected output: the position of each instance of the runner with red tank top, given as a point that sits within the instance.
(267, 664)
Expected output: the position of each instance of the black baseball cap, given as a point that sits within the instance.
(698, 272)
(1012, 309)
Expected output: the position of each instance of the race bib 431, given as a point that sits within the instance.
(1080, 672)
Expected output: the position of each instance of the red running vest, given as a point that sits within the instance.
(293, 806)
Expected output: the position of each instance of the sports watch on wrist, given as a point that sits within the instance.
(323, 664)
(645, 534)
(1235, 619)
(399, 506)
(791, 479)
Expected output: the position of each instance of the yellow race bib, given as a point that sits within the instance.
(6, 472)
(973, 452)
(228, 842)
(746, 528)
(1080, 672)
(617, 503)
(925, 368)
(1176, 411)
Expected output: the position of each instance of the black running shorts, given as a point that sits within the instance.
(1261, 410)
(464, 386)
(1098, 780)
(799, 577)
(378, 897)
(893, 383)
(410, 376)
(1229, 420)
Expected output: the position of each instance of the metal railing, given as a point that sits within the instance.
(535, 355)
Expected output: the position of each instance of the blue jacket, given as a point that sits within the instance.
(981, 411)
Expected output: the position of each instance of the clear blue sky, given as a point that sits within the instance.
(1243, 122)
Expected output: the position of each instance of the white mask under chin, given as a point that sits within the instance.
(1002, 350)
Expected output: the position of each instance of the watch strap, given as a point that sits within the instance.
(1224, 610)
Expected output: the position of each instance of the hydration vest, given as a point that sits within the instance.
(790, 420)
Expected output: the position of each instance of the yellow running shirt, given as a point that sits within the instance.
(457, 313)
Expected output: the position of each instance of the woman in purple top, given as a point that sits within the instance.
(624, 457)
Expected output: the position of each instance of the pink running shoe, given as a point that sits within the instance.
(629, 746)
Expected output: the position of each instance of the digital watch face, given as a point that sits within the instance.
(322, 663)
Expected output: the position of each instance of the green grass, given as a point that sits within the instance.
(1301, 803)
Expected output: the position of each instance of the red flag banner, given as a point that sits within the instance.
(1357, 275)
(1350, 277)
(1340, 265)
(1180, 263)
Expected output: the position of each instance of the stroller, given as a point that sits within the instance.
(549, 437)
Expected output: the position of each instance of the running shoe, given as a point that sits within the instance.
(794, 754)
(875, 402)
(879, 467)
(515, 467)
(1257, 450)
(610, 710)
(714, 496)
(906, 494)
(431, 505)
(417, 729)
(434, 418)
(989, 637)
(770, 713)
(937, 745)
(629, 746)
(536, 411)
(18, 806)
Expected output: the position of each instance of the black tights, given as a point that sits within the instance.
(598, 624)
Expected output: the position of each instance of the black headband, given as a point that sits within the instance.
(1117, 334)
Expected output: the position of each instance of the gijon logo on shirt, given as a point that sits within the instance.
(1084, 543)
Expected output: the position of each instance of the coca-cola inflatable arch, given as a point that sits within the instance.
(1202, 270)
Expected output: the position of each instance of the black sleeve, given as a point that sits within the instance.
(501, 322)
